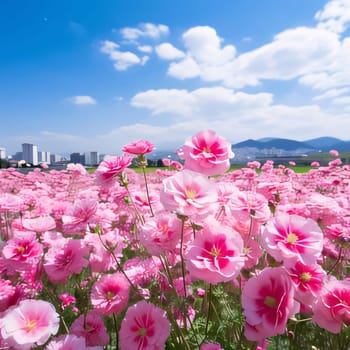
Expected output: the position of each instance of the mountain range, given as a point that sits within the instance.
(320, 144)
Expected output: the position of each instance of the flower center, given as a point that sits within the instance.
(215, 252)
(20, 249)
(109, 295)
(305, 277)
(30, 325)
(292, 238)
(206, 149)
(191, 194)
(142, 332)
(270, 302)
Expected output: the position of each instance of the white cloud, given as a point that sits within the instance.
(145, 30)
(145, 48)
(82, 100)
(335, 16)
(238, 115)
(122, 59)
(331, 94)
(187, 68)
(167, 51)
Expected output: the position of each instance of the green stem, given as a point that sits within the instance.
(147, 192)
(116, 331)
(209, 309)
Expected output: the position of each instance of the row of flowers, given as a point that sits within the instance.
(190, 256)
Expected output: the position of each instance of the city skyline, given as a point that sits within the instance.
(85, 75)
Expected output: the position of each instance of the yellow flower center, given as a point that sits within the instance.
(30, 325)
(292, 238)
(215, 252)
(305, 276)
(20, 249)
(207, 149)
(109, 295)
(270, 302)
(191, 194)
(142, 332)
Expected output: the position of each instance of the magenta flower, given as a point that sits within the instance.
(144, 327)
(110, 168)
(29, 324)
(308, 281)
(216, 254)
(188, 193)
(110, 294)
(210, 346)
(268, 302)
(207, 153)
(138, 147)
(90, 327)
(64, 259)
(293, 237)
(332, 308)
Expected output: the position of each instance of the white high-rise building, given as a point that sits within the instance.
(2, 153)
(30, 153)
(91, 158)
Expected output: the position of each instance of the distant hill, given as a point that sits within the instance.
(278, 143)
(324, 143)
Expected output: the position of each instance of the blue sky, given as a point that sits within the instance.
(89, 75)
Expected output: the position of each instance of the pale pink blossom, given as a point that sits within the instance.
(138, 147)
(216, 253)
(334, 153)
(109, 168)
(39, 224)
(29, 324)
(315, 164)
(144, 327)
(188, 193)
(268, 302)
(65, 258)
(332, 308)
(161, 233)
(7, 293)
(76, 169)
(110, 294)
(293, 237)
(92, 328)
(67, 342)
(207, 153)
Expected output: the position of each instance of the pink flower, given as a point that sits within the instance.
(332, 307)
(268, 302)
(39, 224)
(216, 254)
(291, 163)
(110, 168)
(65, 258)
(66, 300)
(144, 327)
(110, 294)
(188, 193)
(315, 164)
(293, 237)
(308, 281)
(138, 147)
(7, 294)
(207, 153)
(161, 233)
(334, 153)
(90, 327)
(67, 342)
(29, 324)
(23, 248)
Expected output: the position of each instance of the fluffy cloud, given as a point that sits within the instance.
(167, 51)
(145, 30)
(335, 16)
(82, 100)
(122, 59)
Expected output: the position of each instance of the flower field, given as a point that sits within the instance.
(190, 257)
